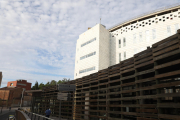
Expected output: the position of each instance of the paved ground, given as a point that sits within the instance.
(5, 113)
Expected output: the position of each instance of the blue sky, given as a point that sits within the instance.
(38, 37)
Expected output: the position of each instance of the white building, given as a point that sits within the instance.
(99, 48)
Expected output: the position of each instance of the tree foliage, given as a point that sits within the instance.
(38, 86)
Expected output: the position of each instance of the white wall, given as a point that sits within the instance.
(161, 33)
(104, 56)
(81, 51)
(107, 47)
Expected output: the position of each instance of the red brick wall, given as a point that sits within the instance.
(4, 94)
(15, 83)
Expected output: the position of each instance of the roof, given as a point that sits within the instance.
(31, 91)
(9, 88)
(144, 16)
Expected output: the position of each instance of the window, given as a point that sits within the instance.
(124, 41)
(168, 30)
(88, 55)
(134, 38)
(154, 33)
(87, 70)
(119, 57)
(120, 43)
(147, 36)
(140, 37)
(124, 55)
(135, 51)
(88, 42)
(176, 26)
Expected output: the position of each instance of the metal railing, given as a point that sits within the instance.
(34, 116)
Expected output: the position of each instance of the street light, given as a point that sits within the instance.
(22, 96)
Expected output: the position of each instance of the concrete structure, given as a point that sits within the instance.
(92, 51)
(143, 87)
(20, 83)
(123, 40)
(0, 78)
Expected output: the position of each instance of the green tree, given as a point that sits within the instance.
(63, 81)
(41, 85)
(36, 86)
(47, 84)
(33, 87)
(53, 82)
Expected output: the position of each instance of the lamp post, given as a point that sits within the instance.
(3, 100)
(22, 97)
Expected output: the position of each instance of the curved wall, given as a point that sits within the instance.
(141, 34)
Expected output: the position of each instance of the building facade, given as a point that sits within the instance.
(10, 96)
(0, 78)
(20, 83)
(92, 53)
(123, 40)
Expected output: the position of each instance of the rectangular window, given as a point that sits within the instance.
(124, 55)
(87, 70)
(134, 38)
(119, 57)
(176, 26)
(88, 42)
(140, 37)
(147, 36)
(135, 51)
(154, 33)
(88, 55)
(168, 30)
(124, 41)
(120, 43)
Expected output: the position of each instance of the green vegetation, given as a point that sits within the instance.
(38, 86)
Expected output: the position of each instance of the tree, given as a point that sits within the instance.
(59, 82)
(36, 86)
(33, 87)
(47, 84)
(63, 81)
(53, 82)
(41, 85)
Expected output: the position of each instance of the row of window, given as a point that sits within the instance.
(87, 70)
(88, 55)
(147, 22)
(147, 35)
(124, 42)
(120, 58)
(176, 27)
(88, 42)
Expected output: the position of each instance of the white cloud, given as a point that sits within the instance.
(38, 38)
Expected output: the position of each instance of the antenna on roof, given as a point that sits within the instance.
(100, 20)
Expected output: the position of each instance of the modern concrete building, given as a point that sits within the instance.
(20, 83)
(92, 51)
(99, 48)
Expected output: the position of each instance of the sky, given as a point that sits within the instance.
(38, 37)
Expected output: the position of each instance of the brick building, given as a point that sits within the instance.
(10, 95)
(20, 83)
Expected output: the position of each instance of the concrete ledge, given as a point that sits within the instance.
(20, 115)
